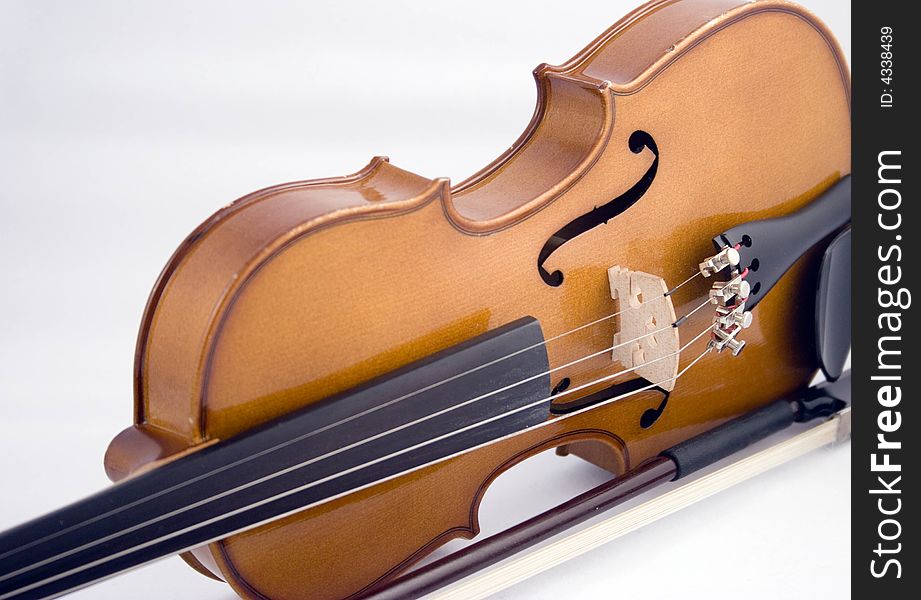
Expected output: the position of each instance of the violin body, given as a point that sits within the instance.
(679, 121)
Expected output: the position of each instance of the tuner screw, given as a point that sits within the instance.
(723, 338)
(735, 346)
(721, 292)
(744, 319)
(738, 316)
(739, 287)
(727, 257)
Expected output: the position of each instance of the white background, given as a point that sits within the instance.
(125, 124)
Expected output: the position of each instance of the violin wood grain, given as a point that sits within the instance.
(303, 290)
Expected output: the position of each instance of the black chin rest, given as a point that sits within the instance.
(833, 307)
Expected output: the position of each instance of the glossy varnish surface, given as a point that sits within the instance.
(299, 291)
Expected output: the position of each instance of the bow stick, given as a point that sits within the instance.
(506, 558)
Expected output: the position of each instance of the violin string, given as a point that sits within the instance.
(337, 451)
(612, 315)
(683, 283)
(399, 428)
(279, 473)
(286, 443)
(286, 493)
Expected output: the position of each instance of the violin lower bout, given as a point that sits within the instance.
(346, 546)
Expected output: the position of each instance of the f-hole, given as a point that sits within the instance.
(632, 386)
(600, 214)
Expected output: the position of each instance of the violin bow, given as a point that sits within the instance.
(511, 556)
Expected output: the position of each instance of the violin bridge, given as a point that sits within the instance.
(645, 341)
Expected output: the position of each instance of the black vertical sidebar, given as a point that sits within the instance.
(886, 370)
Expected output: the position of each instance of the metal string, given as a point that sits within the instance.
(377, 407)
(378, 460)
(339, 474)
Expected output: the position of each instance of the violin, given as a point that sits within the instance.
(350, 362)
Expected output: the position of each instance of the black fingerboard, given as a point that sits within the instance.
(420, 414)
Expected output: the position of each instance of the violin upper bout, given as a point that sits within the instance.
(197, 287)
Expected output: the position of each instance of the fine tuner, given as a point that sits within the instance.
(730, 297)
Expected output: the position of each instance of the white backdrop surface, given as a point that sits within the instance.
(125, 124)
